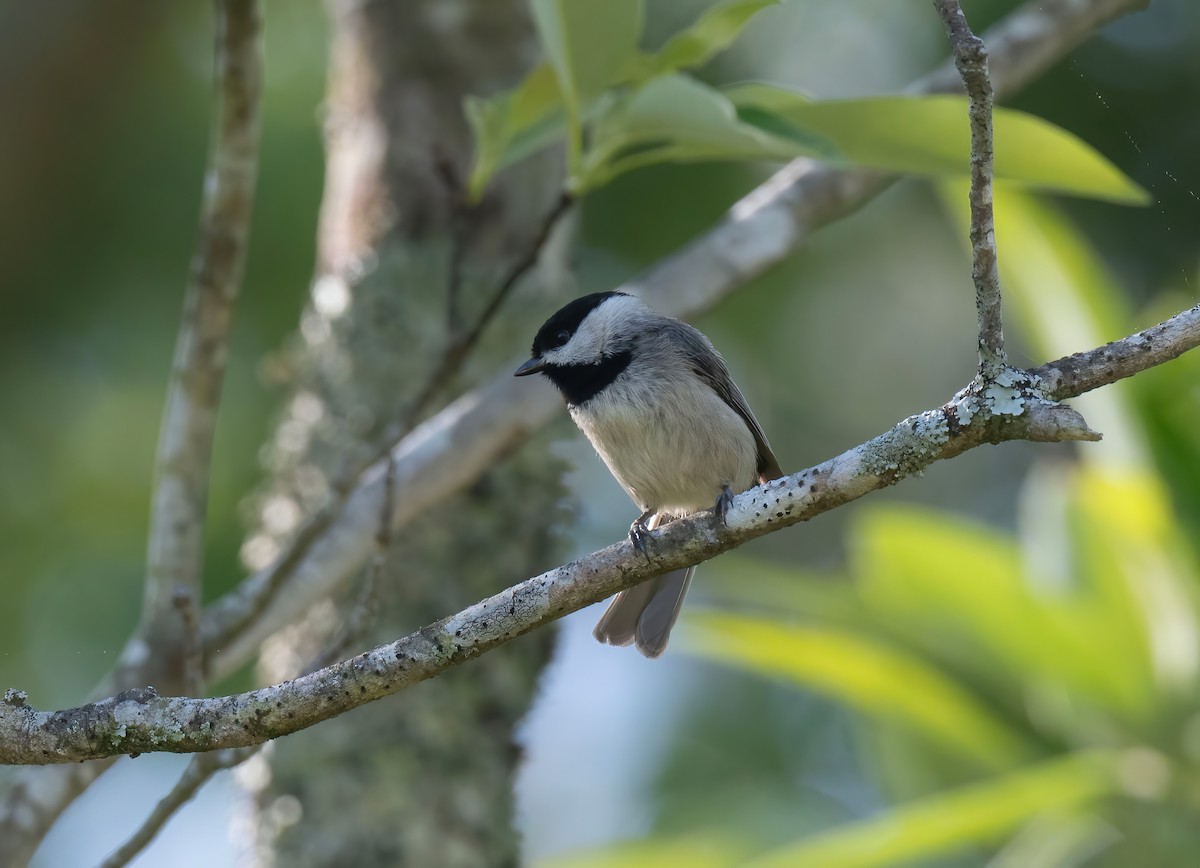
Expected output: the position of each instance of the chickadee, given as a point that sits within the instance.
(657, 403)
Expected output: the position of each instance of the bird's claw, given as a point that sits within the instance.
(639, 533)
(724, 501)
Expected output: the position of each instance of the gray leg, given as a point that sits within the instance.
(724, 501)
(638, 532)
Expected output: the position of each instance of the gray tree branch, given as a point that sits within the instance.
(199, 770)
(758, 232)
(453, 448)
(170, 613)
(1019, 405)
(166, 647)
(203, 766)
(971, 61)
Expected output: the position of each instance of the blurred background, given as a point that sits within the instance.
(1019, 610)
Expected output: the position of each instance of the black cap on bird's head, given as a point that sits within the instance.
(560, 327)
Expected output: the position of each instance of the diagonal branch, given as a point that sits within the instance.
(971, 60)
(175, 556)
(203, 766)
(170, 613)
(466, 437)
(454, 447)
(458, 348)
(198, 771)
(139, 720)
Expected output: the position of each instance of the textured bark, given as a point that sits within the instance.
(430, 782)
(1017, 405)
(971, 60)
(175, 556)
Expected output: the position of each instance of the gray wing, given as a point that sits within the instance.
(710, 367)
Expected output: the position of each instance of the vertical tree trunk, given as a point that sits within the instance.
(426, 778)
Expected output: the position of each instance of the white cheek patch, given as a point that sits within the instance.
(598, 331)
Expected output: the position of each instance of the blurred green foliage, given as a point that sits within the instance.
(1028, 697)
(100, 175)
(100, 181)
(640, 110)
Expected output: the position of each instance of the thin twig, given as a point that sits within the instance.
(176, 540)
(458, 347)
(199, 770)
(971, 60)
(203, 766)
(462, 222)
(193, 649)
(138, 720)
(363, 613)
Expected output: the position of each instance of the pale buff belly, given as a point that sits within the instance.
(671, 453)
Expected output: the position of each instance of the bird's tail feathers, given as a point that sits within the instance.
(645, 614)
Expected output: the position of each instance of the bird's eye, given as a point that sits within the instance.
(561, 338)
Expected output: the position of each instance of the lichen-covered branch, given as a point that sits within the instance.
(176, 541)
(205, 765)
(458, 347)
(1017, 405)
(971, 61)
(454, 447)
(1083, 372)
(466, 437)
(170, 616)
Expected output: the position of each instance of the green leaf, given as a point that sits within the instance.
(742, 582)
(516, 123)
(674, 118)
(588, 43)
(1138, 567)
(513, 125)
(979, 814)
(956, 585)
(712, 33)
(872, 678)
(1058, 840)
(767, 97)
(929, 135)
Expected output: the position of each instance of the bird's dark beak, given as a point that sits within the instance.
(532, 366)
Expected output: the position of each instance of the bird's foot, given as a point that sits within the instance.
(639, 533)
(724, 501)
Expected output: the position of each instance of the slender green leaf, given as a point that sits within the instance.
(947, 576)
(694, 851)
(872, 678)
(742, 582)
(1137, 563)
(674, 118)
(929, 135)
(965, 587)
(1057, 840)
(712, 33)
(979, 814)
(588, 43)
(513, 125)
(760, 95)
